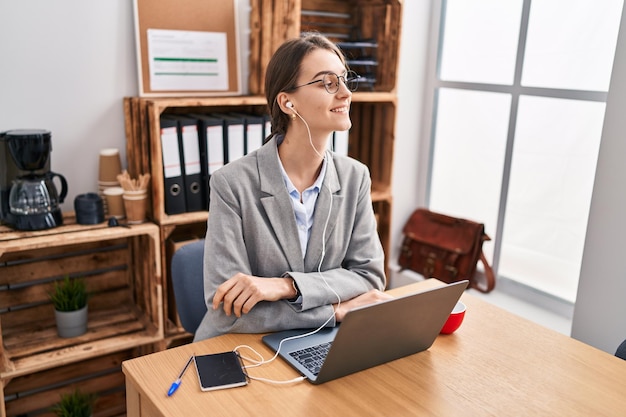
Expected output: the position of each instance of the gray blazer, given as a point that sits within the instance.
(252, 229)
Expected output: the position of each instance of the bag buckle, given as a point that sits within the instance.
(406, 248)
(429, 267)
(452, 270)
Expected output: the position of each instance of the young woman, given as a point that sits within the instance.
(292, 240)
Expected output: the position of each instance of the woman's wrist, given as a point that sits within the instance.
(294, 292)
(339, 312)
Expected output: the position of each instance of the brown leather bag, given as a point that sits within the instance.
(446, 248)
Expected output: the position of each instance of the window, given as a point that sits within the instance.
(519, 98)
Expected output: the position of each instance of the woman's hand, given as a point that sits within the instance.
(242, 292)
(370, 297)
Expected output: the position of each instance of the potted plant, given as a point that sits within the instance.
(74, 404)
(69, 298)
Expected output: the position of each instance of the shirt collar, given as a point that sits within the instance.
(317, 185)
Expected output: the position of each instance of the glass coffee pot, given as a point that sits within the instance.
(33, 199)
(34, 202)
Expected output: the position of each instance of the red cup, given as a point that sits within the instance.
(455, 319)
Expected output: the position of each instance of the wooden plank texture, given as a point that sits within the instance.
(102, 375)
(122, 270)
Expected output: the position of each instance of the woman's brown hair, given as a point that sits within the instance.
(283, 70)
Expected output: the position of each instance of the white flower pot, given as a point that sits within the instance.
(71, 323)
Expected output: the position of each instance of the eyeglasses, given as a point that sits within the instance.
(330, 81)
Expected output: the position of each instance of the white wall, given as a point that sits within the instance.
(600, 310)
(67, 64)
(409, 162)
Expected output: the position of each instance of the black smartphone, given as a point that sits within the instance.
(220, 370)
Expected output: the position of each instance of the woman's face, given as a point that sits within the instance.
(323, 112)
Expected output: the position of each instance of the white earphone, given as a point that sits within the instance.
(289, 104)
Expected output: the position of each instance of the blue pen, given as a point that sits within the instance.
(176, 383)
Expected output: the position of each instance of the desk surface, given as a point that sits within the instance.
(495, 364)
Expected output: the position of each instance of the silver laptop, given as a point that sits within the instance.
(369, 335)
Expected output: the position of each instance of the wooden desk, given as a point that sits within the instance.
(495, 364)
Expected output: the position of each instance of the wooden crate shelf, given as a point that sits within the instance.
(34, 394)
(184, 218)
(122, 270)
(378, 20)
(371, 141)
(175, 237)
(373, 127)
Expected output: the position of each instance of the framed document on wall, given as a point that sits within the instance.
(188, 47)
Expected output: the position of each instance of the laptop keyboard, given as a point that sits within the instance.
(312, 357)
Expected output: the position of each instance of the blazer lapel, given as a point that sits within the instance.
(324, 207)
(276, 201)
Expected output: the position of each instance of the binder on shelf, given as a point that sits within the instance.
(341, 142)
(253, 134)
(191, 164)
(174, 188)
(234, 131)
(212, 152)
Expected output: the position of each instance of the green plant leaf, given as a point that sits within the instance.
(70, 294)
(74, 404)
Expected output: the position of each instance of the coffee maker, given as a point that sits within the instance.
(29, 199)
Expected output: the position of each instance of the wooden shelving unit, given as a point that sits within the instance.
(121, 267)
(371, 141)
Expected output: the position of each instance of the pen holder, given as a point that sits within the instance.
(89, 209)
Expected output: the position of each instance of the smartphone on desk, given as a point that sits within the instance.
(220, 370)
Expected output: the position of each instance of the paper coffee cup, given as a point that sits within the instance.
(115, 202)
(110, 165)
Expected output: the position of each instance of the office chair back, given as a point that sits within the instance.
(188, 284)
(621, 350)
